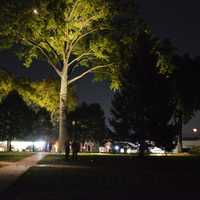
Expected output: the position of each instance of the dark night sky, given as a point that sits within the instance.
(174, 19)
(178, 20)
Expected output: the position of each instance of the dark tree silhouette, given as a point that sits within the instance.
(142, 109)
(15, 118)
(185, 81)
(88, 122)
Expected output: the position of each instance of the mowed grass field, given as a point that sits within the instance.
(13, 156)
(110, 177)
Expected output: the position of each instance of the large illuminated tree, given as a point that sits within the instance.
(72, 35)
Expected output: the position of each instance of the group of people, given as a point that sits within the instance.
(75, 148)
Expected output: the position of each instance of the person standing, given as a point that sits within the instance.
(75, 150)
(67, 149)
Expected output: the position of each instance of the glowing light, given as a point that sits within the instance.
(21, 145)
(56, 147)
(116, 147)
(40, 145)
(102, 150)
(108, 148)
(194, 130)
(28, 145)
(157, 150)
(35, 11)
(121, 150)
(129, 151)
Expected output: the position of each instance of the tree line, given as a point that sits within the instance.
(30, 113)
(109, 39)
(152, 105)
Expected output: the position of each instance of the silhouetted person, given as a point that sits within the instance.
(67, 149)
(75, 150)
(50, 147)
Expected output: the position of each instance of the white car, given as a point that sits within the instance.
(156, 150)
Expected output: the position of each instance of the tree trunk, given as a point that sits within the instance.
(142, 145)
(180, 137)
(9, 147)
(142, 134)
(62, 113)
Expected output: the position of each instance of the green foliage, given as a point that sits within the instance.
(89, 31)
(50, 32)
(44, 94)
(165, 52)
(6, 83)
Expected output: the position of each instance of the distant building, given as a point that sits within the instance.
(89, 146)
(189, 143)
(17, 145)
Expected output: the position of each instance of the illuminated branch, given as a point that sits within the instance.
(74, 42)
(54, 51)
(46, 55)
(79, 58)
(73, 9)
(87, 72)
(82, 36)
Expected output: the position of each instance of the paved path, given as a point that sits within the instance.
(9, 174)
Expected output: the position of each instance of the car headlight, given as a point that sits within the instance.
(116, 147)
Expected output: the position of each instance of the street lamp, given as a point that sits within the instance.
(73, 123)
(74, 129)
(194, 130)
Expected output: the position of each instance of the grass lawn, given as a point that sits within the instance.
(109, 177)
(13, 156)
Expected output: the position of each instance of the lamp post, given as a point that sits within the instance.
(74, 129)
(195, 131)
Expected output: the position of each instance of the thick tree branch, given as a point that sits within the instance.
(45, 54)
(75, 41)
(54, 51)
(87, 72)
(79, 58)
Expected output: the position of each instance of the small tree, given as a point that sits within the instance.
(15, 118)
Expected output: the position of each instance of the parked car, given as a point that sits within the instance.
(129, 147)
(156, 150)
(124, 147)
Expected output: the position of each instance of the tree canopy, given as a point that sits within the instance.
(15, 117)
(59, 31)
(43, 93)
(142, 109)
